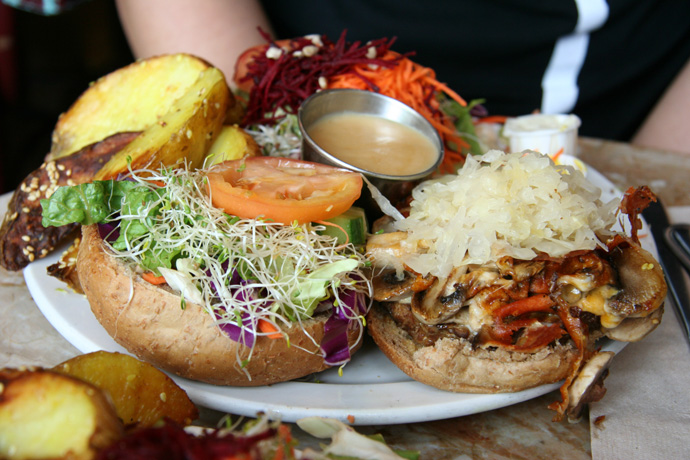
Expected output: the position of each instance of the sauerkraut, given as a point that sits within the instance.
(497, 205)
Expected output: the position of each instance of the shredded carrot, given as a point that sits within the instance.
(280, 454)
(555, 156)
(153, 279)
(268, 328)
(284, 432)
(285, 446)
(417, 87)
(331, 224)
(493, 119)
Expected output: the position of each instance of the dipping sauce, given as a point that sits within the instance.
(374, 144)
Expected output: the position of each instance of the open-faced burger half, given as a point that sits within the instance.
(226, 275)
(502, 277)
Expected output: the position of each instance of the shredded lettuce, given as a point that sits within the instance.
(313, 287)
(280, 139)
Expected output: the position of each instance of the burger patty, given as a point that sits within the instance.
(424, 334)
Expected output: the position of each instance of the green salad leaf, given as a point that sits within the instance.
(100, 202)
(463, 122)
(314, 287)
(85, 204)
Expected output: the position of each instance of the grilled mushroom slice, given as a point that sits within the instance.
(641, 279)
(588, 386)
(442, 300)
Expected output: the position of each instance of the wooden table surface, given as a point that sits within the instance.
(521, 431)
(666, 173)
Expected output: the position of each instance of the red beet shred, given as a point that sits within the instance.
(286, 81)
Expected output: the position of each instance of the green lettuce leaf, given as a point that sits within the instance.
(85, 204)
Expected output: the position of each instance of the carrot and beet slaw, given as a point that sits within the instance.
(279, 76)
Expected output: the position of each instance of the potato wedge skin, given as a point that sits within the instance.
(142, 394)
(44, 415)
(185, 132)
(131, 98)
(232, 143)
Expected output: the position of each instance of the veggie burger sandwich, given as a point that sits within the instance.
(503, 277)
(229, 275)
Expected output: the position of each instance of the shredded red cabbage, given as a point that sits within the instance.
(108, 231)
(286, 81)
(335, 345)
(244, 334)
(354, 300)
(244, 331)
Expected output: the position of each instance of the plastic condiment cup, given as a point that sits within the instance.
(547, 134)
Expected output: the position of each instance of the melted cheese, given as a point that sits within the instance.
(478, 314)
(583, 283)
(596, 302)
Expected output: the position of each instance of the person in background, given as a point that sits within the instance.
(44, 7)
(621, 66)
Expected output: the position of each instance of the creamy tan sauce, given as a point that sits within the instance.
(374, 143)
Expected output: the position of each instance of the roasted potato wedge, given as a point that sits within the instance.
(162, 110)
(131, 98)
(185, 132)
(232, 143)
(45, 414)
(142, 394)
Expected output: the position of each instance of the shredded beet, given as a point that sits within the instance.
(287, 80)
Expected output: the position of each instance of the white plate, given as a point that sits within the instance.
(372, 389)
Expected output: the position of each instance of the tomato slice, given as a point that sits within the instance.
(282, 190)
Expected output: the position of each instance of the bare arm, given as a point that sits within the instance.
(216, 30)
(668, 125)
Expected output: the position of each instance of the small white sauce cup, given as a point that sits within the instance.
(547, 134)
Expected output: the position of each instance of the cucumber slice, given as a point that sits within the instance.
(353, 222)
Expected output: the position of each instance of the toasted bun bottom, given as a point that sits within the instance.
(454, 365)
(149, 322)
